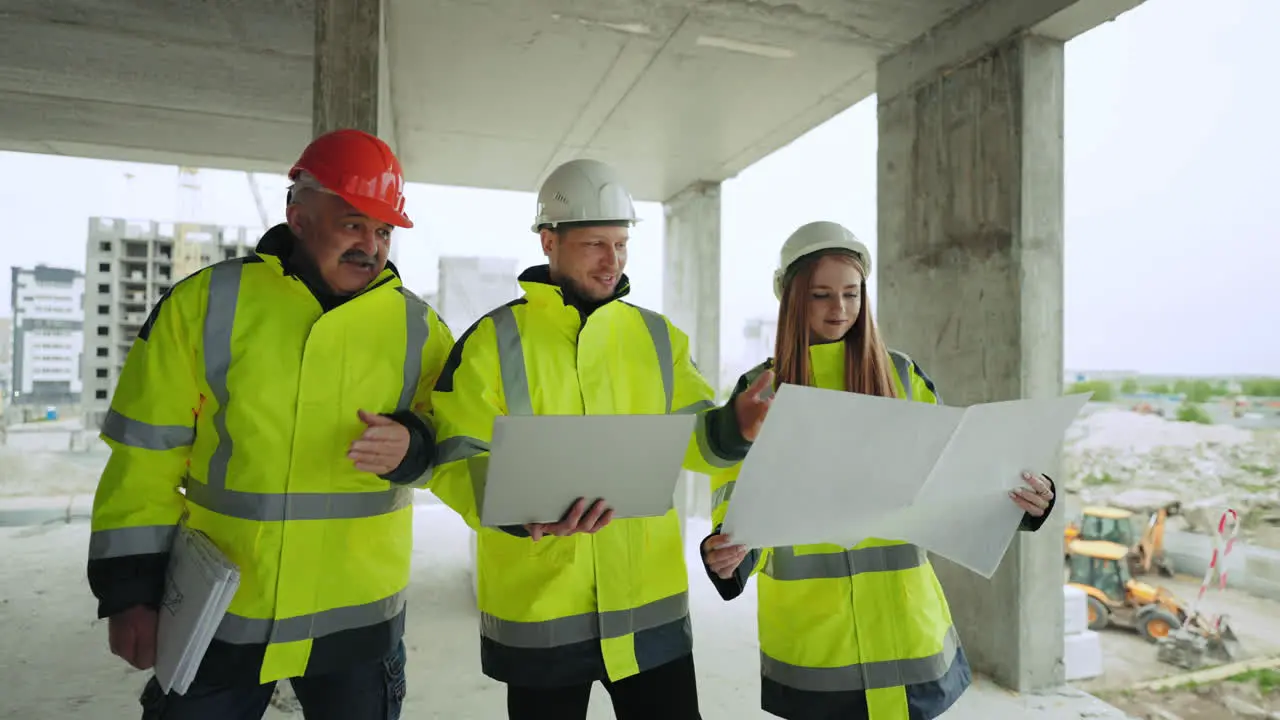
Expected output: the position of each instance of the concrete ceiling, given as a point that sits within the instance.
(498, 93)
(486, 93)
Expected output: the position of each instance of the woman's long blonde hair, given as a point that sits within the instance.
(866, 360)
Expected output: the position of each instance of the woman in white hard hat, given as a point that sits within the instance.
(846, 633)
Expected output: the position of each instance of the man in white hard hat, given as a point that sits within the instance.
(585, 599)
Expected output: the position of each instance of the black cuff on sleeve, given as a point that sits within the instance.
(422, 449)
(120, 583)
(1031, 523)
(723, 436)
(733, 586)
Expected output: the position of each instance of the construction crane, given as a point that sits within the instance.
(187, 256)
(257, 200)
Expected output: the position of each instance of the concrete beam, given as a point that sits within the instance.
(980, 28)
(691, 298)
(350, 72)
(970, 224)
(57, 126)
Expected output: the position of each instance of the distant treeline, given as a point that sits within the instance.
(1195, 391)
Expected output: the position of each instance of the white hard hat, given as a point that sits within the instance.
(583, 191)
(814, 237)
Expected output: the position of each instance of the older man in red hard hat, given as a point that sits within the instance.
(281, 402)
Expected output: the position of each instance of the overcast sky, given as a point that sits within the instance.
(1172, 215)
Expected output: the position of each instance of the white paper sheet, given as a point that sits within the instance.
(540, 464)
(199, 586)
(839, 467)
(826, 463)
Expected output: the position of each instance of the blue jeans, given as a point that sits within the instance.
(370, 691)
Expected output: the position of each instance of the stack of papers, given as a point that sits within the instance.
(838, 467)
(198, 589)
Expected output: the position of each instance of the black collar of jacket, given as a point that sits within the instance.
(542, 274)
(281, 243)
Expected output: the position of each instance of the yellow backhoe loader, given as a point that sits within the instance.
(1113, 524)
(1101, 569)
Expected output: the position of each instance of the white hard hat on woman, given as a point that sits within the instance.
(817, 237)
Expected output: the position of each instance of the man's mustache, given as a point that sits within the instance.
(359, 257)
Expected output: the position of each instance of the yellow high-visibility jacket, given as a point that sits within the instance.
(575, 609)
(237, 405)
(862, 632)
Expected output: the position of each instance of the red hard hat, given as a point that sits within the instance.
(359, 168)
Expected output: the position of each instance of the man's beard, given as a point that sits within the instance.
(572, 287)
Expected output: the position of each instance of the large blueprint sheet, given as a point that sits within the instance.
(838, 467)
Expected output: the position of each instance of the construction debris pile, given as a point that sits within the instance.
(1123, 458)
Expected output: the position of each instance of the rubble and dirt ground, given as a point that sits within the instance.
(1254, 694)
(1112, 453)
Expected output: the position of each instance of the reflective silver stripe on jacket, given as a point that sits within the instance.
(139, 540)
(459, 447)
(902, 364)
(864, 676)
(784, 564)
(695, 408)
(212, 494)
(657, 327)
(135, 433)
(722, 494)
(241, 630)
(515, 377)
(219, 321)
(416, 333)
(587, 626)
(271, 507)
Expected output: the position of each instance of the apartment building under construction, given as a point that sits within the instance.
(129, 266)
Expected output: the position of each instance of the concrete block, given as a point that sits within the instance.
(1082, 655)
(1076, 607)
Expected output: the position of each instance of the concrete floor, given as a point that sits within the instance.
(54, 660)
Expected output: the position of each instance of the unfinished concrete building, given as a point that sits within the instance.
(680, 96)
(129, 266)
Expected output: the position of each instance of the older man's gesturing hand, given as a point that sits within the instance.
(382, 446)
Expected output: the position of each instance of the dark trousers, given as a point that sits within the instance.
(369, 691)
(669, 692)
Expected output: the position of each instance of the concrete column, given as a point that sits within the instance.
(348, 65)
(970, 285)
(352, 82)
(691, 298)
